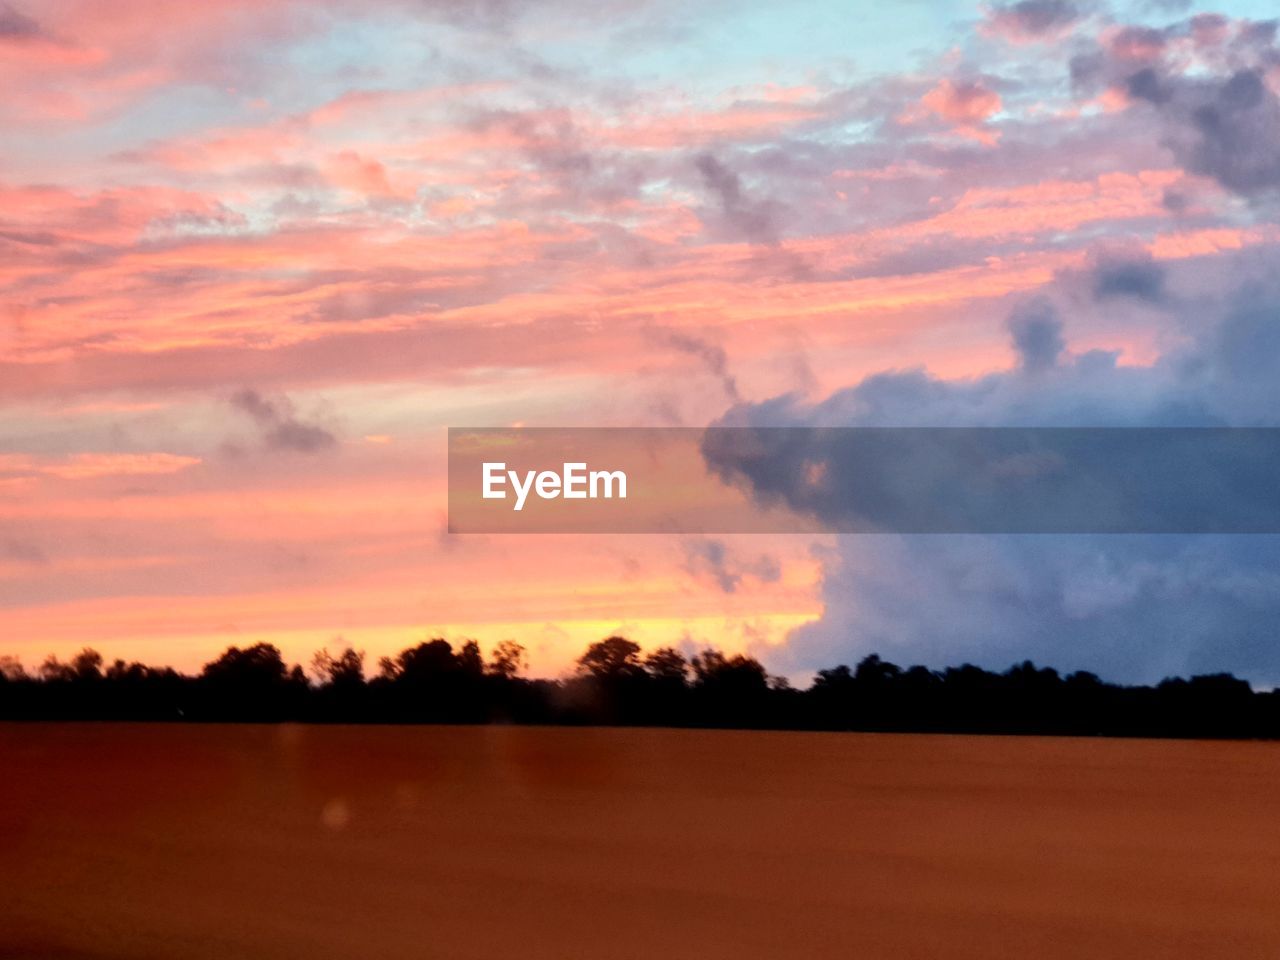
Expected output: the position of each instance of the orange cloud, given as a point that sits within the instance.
(84, 466)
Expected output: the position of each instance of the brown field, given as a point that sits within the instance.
(122, 842)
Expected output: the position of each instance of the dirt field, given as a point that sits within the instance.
(122, 842)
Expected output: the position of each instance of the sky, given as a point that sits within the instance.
(255, 259)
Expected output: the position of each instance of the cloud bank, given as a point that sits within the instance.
(1135, 608)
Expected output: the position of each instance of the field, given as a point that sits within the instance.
(140, 842)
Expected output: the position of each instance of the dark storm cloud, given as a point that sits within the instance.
(1237, 133)
(1146, 85)
(1220, 121)
(1132, 607)
(281, 429)
(1175, 201)
(1086, 71)
(1037, 334)
(1226, 128)
(1010, 479)
(1136, 276)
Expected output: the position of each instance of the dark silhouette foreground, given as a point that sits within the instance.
(616, 684)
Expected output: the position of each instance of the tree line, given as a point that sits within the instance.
(615, 682)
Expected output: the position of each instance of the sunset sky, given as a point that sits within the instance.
(255, 258)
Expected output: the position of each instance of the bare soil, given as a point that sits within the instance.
(152, 842)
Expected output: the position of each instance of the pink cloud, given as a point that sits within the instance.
(1030, 21)
(964, 104)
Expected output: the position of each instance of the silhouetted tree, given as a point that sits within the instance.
(342, 693)
(87, 665)
(425, 662)
(252, 684)
(11, 669)
(431, 683)
(611, 684)
(470, 660)
(874, 673)
(344, 670)
(54, 670)
(507, 659)
(731, 690)
(668, 665)
(712, 668)
(613, 658)
(121, 672)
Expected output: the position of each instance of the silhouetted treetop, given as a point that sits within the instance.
(611, 659)
(668, 665)
(507, 659)
(347, 668)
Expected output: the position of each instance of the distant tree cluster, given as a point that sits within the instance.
(617, 683)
